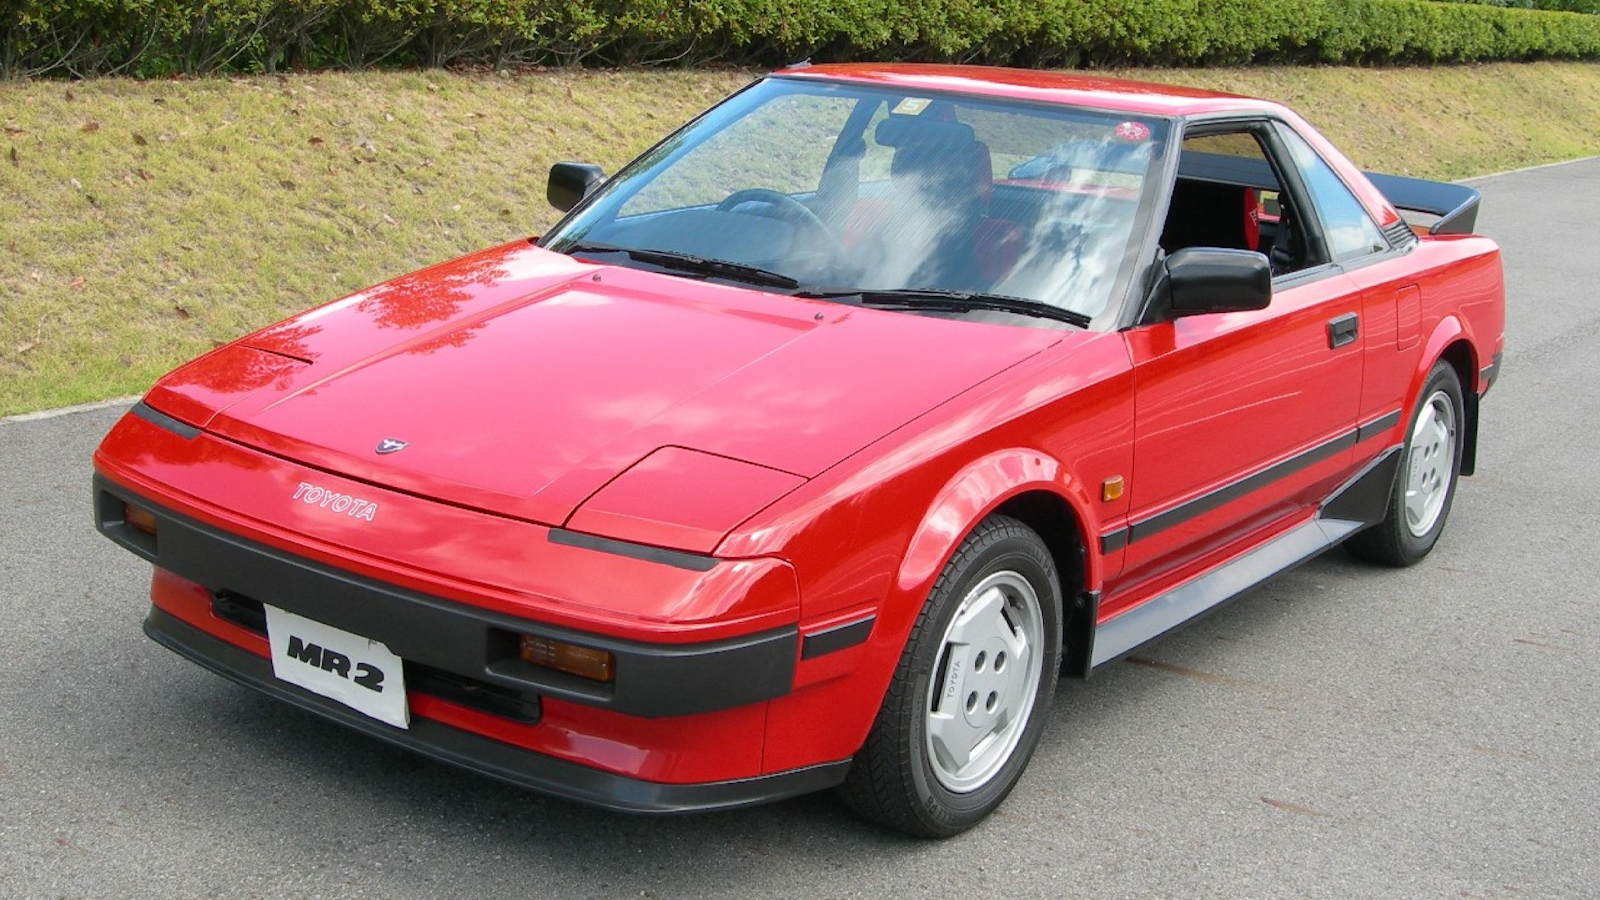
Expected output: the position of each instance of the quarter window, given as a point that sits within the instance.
(1346, 227)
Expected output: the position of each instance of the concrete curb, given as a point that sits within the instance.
(1551, 165)
(68, 410)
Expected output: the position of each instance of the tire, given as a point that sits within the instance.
(975, 680)
(1425, 485)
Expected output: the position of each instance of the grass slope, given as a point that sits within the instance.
(144, 222)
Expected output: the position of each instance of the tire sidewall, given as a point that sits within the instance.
(942, 808)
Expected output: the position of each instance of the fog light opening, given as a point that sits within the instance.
(584, 662)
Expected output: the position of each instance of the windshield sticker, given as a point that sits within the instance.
(911, 106)
(1133, 131)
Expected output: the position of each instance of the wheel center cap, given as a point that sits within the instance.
(983, 697)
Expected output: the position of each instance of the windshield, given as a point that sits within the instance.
(827, 187)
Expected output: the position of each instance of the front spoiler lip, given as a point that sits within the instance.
(652, 679)
(524, 768)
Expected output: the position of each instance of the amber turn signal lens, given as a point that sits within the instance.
(584, 662)
(142, 519)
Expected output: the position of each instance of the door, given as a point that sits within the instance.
(1244, 419)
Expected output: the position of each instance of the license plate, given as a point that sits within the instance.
(359, 672)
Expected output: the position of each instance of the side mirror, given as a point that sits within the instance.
(1201, 280)
(571, 182)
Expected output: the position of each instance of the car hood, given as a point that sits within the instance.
(521, 382)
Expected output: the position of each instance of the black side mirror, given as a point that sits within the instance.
(571, 182)
(1202, 280)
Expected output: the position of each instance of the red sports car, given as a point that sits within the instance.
(808, 449)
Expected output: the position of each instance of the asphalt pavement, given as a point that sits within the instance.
(1343, 731)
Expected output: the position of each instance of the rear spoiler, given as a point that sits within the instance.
(1454, 205)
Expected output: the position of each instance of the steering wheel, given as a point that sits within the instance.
(787, 209)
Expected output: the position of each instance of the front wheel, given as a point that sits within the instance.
(1426, 483)
(965, 708)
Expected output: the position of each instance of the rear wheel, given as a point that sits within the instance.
(967, 702)
(1426, 483)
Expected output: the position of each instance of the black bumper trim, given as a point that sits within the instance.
(161, 420)
(652, 679)
(681, 559)
(486, 756)
(839, 637)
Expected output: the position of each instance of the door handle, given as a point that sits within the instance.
(1343, 330)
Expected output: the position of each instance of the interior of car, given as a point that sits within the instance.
(972, 245)
(881, 192)
(1228, 196)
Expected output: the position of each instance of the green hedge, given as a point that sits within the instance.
(1581, 6)
(157, 37)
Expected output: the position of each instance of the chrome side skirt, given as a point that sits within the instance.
(1358, 503)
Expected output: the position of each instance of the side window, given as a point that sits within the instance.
(1349, 231)
(1223, 181)
(753, 152)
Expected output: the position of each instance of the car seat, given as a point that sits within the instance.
(934, 213)
(1206, 214)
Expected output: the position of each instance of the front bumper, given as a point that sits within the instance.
(652, 680)
(486, 756)
(681, 728)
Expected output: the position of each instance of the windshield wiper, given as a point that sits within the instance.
(901, 298)
(950, 301)
(693, 265)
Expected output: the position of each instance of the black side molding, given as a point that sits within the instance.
(1249, 484)
(1377, 426)
(1136, 531)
